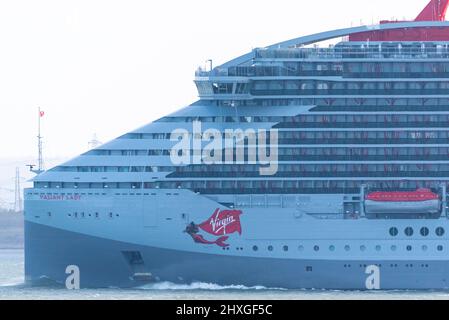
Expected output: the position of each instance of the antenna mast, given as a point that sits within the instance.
(39, 143)
(18, 193)
(40, 159)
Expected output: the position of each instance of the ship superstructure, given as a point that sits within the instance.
(343, 169)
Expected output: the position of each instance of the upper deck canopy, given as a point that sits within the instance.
(428, 26)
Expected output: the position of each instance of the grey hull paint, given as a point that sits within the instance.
(102, 264)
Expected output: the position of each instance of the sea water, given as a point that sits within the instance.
(12, 287)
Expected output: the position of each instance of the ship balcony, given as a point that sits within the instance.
(348, 92)
(306, 174)
(364, 141)
(363, 124)
(280, 72)
(359, 51)
(370, 71)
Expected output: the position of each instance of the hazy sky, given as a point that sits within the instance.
(108, 67)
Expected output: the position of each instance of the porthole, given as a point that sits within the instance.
(362, 248)
(424, 248)
(347, 248)
(408, 231)
(285, 248)
(316, 248)
(394, 248)
(440, 248)
(332, 248)
(424, 232)
(439, 231)
(409, 248)
(394, 232)
(270, 248)
(255, 248)
(301, 248)
(378, 248)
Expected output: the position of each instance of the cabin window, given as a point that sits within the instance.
(424, 232)
(255, 248)
(409, 231)
(409, 248)
(332, 248)
(270, 248)
(439, 231)
(316, 248)
(394, 232)
(440, 248)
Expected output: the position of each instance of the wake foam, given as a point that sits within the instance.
(202, 286)
(13, 283)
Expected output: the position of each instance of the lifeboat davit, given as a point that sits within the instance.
(421, 201)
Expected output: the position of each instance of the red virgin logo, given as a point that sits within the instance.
(221, 223)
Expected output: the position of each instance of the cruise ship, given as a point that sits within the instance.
(302, 165)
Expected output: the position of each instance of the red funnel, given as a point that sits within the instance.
(434, 11)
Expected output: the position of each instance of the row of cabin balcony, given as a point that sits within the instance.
(299, 136)
(374, 51)
(339, 104)
(357, 119)
(321, 87)
(346, 70)
(353, 50)
(317, 153)
(384, 69)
